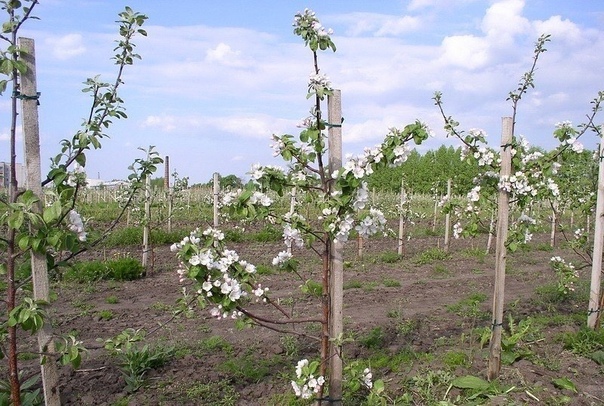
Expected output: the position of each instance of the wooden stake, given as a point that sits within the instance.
(216, 182)
(336, 275)
(503, 207)
(147, 224)
(593, 312)
(448, 219)
(401, 221)
(39, 269)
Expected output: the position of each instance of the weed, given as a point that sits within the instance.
(454, 359)
(544, 247)
(390, 257)
(105, 315)
(430, 256)
(407, 327)
(394, 313)
(368, 287)
(215, 343)
(374, 339)
(441, 271)
(118, 269)
(469, 307)
(248, 367)
(290, 345)
(269, 233)
(475, 252)
(432, 385)
(312, 288)
(218, 393)
(584, 342)
(264, 270)
(391, 283)
(352, 284)
(112, 300)
(136, 362)
(234, 235)
(84, 306)
(161, 307)
(29, 395)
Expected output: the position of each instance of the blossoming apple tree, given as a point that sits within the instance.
(224, 282)
(43, 230)
(529, 179)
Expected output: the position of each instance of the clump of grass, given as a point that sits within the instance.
(312, 288)
(122, 269)
(112, 299)
(454, 359)
(431, 255)
(353, 284)
(218, 393)
(391, 283)
(106, 315)
(269, 233)
(390, 257)
(374, 339)
(584, 342)
(441, 271)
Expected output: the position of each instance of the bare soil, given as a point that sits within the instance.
(409, 307)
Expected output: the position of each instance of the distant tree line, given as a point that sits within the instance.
(428, 172)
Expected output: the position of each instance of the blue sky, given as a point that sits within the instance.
(217, 78)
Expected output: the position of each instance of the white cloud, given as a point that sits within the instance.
(465, 51)
(379, 25)
(223, 54)
(66, 46)
(503, 20)
(560, 30)
(259, 126)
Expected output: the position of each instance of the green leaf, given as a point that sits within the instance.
(597, 357)
(24, 243)
(564, 383)
(470, 382)
(52, 212)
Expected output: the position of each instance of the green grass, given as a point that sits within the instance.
(116, 269)
(353, 284)
(374, 339)
(391, 283)
(106, 315)
(112, 300)
(390, 257)
(430, 256)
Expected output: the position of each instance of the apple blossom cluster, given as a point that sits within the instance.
(518, 184)
(221, 277)
(282, 258)
(371, 224)
(308, 20)
(566, 273)
(368, 378)
(567, 135)
(361, 198)
(318, 83)
(76, 225)
(457, 230)
(77, 177)
(307, 384)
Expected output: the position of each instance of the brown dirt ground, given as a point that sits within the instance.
(420, 301)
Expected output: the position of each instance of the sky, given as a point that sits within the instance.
(218, 78)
